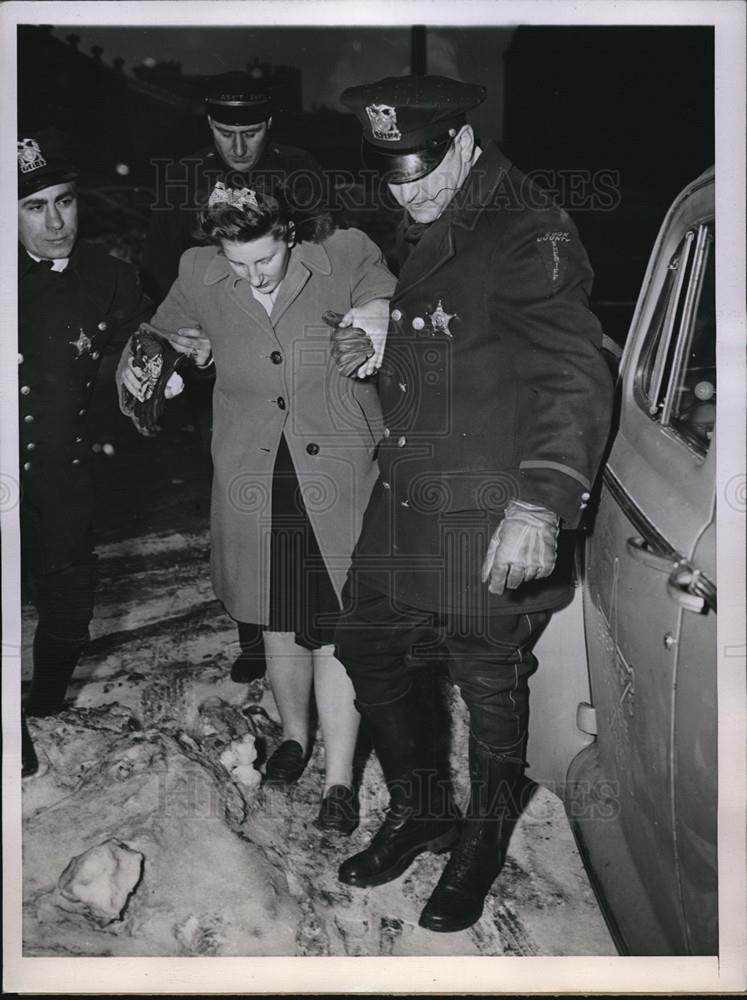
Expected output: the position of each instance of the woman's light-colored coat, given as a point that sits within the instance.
(275, 376)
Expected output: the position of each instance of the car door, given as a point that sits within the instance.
(650, 609)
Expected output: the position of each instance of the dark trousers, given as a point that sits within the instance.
(64, 601)
(490, 659)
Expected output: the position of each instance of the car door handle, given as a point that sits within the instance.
(637, 547)
(678, 588)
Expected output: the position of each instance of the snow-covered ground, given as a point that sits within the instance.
(223, 866)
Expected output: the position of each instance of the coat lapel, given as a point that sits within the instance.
(305, 258)
(438, 244)
(435, 248)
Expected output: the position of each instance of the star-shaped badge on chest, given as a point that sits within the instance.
(440, 319)
(82, 345)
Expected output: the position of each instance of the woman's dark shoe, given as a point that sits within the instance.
(339, 810)
(287, 764)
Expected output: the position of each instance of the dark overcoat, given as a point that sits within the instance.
(493, 387)
(65, 320)
(183, 187)
(275, 376)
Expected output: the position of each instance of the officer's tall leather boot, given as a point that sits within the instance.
(54, 664)
(422, 815)
(498, 794)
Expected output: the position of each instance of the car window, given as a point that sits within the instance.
(677, 378)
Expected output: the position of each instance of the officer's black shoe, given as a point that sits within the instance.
(422, 815)
(459, 897)
(497, 797)
(54, 664)
(403, 835)
(29, 760)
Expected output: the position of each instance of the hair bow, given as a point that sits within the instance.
(238, 197)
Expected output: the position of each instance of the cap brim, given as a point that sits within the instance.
(32, 185)
(403, 166)
(238, 114)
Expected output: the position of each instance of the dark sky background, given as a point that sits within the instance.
(331, 58)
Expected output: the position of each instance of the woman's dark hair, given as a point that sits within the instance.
(246, 216)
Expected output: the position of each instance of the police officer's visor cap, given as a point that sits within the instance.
(43, 161)
(409, 122)
(237, 99)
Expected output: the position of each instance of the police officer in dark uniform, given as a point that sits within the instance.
(242, 154)
(497, 405)
(73, 299)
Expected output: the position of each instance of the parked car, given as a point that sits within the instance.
(640, 787)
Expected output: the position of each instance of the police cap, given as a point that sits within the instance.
(237, 99)
(410, 121)
(42, 161)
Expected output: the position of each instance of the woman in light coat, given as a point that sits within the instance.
(293, 450)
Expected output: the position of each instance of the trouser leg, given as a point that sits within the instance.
(29, 760)
(372, 642)
(493, 678)
(65, 606)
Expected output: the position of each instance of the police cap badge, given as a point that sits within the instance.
(42, 161)
(409, 121)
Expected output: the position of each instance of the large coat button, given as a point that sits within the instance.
(281, 403)
(418, 323)
(312, 448)
(396, 315)
(276, 357)
(25, 390)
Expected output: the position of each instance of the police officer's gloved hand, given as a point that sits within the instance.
(351, 347)
(524, 547)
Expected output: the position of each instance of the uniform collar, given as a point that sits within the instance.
(27, 260)
(312, 256)
(479, 187)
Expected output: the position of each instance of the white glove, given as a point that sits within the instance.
(524, 547)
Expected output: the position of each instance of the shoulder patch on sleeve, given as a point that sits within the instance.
(553, 247)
